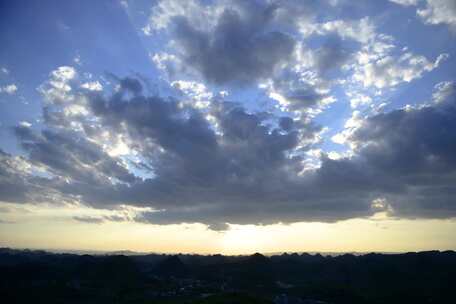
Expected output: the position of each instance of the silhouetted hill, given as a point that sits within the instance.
(43, 277)
(257, 259)
(171, 266)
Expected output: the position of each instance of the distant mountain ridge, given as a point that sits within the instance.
(423, 277)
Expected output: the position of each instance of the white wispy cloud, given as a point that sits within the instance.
(443, 90)
(439, 12)
(9, 89)
(405, 2)
(92, 86)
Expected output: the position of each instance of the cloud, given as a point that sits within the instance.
(434, 11)
(389, 71)
(405, 2)
(99, 219)
(238, 49)
(89, 219)
(294, 93)
(443, 91)
(164, 12)
(18, 185)
(414, 149)
(357, 99)
(58, 88)
(271, 44)
(9, 89)
(200, 155)
(92, 86)
(232, 42)
(187, 154)
(352, 124)
(332, 55)
(221, 164)
(362, 30)
(195, 171)
(366, 62)
(439, 12)
(69, 156)
(197, 93)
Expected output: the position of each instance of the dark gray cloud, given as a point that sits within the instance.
(332, 55)
(299, 94)
(68, 155)
(250, 177)
(241, 48)
(247, 42)
(192, 162)
(13, 186)
(416, 150)
(89, 219)
(242, 169)
(99, 219)
(17, 185)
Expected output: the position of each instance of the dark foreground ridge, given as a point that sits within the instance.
(43, 277)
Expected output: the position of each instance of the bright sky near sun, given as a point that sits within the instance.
(228, 126)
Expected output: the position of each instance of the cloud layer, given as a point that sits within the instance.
(223, 164)
(193, 153)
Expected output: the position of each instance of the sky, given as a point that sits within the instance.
(230, 127)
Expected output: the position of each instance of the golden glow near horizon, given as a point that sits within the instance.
(51, 227)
